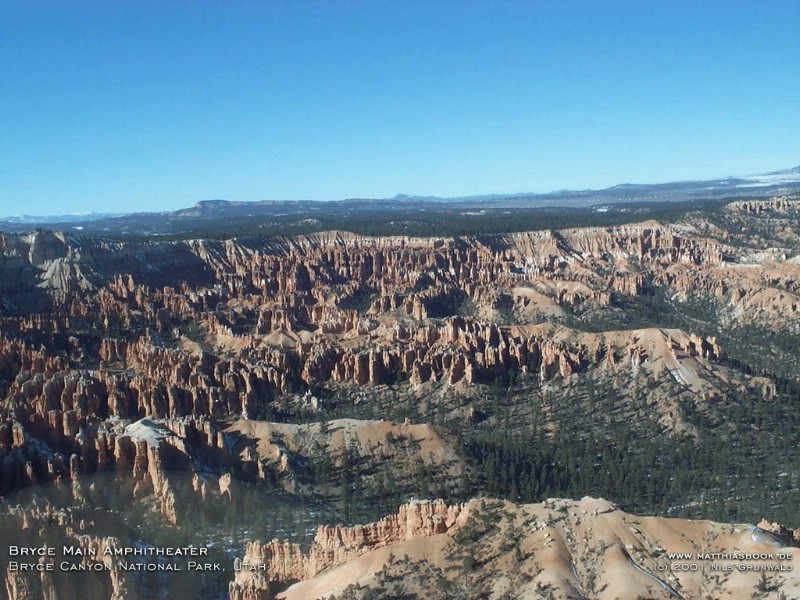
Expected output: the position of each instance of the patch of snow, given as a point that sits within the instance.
(148, 430)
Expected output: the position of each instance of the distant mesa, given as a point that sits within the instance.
(175, 222)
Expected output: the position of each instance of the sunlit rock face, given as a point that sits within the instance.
(563, 548)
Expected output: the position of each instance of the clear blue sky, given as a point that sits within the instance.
(150, 105)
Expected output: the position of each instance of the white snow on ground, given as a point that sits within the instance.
(147, 430)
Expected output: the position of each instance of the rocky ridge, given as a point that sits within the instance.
(561, 548)
(286, 563)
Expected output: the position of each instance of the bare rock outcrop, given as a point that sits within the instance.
(286, 563)
(586, 548)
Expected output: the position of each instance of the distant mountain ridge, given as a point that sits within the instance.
(68, 218)
(230, 215)
(784, 176)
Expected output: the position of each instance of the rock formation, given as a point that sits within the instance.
(559, 549)
(286, 563)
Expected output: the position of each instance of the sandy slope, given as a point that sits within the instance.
(569, 549)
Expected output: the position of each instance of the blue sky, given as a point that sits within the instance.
(152, 105)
